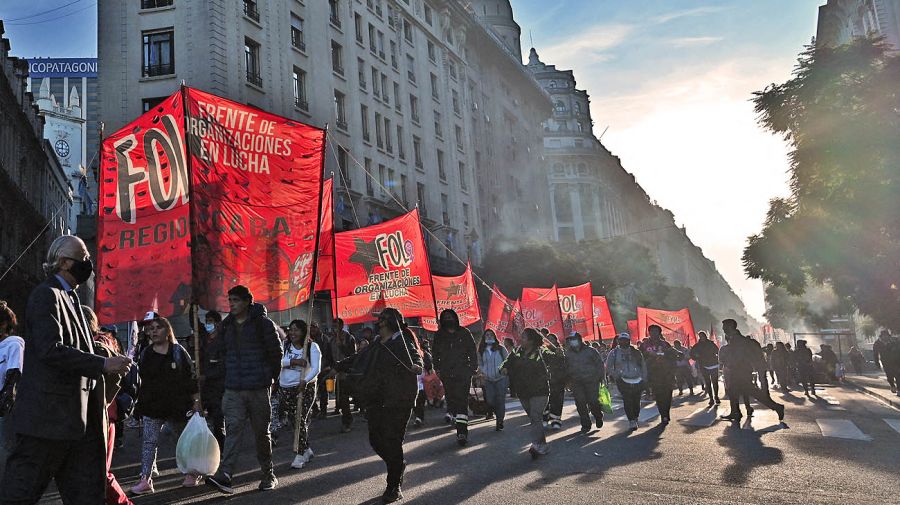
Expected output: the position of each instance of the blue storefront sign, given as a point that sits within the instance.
(62, 67)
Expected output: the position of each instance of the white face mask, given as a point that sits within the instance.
(210, 327)
(573, 344)
(490, 342)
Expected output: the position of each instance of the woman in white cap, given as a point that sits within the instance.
(625, 365)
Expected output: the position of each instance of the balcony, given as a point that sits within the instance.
(341, 124)
(297, 40)
(335, 20)
(301, 104)
(161, 69)
(338, 69)
(251, 11)
(254, 79)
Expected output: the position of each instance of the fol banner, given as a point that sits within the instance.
(144, 232)
(457, 293)
(501, 317)
(325, 270)
(257, 193)
(577, 309)
(384, 265)
(676, 325)
(540, 309)
(636, 336)
(603, 318)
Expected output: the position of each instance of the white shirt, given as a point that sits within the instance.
(291, 376)
(12, 352)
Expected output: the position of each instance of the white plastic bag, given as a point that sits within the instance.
(197, 451)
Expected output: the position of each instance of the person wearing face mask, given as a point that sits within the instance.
(661, 358)
(626, 366)
(455, 359)
(585, 370)
(59, 418)
(300, 366)
(12, 352)
(490, 356)
(212, 380)
(528, 372)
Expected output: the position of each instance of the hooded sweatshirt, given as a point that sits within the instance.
(454, 354)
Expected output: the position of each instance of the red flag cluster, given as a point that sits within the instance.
(457, 293)
(676, 325)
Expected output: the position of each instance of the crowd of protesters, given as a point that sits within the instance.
(67, 389)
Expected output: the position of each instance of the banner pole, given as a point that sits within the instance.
(100, 187)
(192, 225)
(315, 270)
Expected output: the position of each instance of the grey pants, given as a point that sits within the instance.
(534, 409)
(239, 407)
(495, 396)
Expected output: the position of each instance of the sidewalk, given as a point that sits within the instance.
(874, 384)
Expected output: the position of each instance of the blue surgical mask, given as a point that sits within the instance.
(490, 342)
(210, 327)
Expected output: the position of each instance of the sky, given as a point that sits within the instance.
(671, 79)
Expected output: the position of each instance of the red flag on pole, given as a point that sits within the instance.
(384, 265)
(457, 293)
(603, 318)
(325, 270)
(577, 308)
(676, 325)
(501, 316)
(540, 309)
(636, 336)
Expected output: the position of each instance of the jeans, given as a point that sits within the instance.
(534, 409)
(495, 396)
(710, 382)
(631, 398)
(239, 407)
(587, 402)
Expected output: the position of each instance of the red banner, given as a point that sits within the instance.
(636, 336)
(325, 270)
(501, 316)
(457, 293)
(257, 194)
(384, 265)
(540, 309)
(603, 318)
(676, 325)
(577, 310)
(143, 236)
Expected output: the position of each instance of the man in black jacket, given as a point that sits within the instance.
(342, 345)
(455, 360)
(739, 358)
(252, 364)
(706, 354)
(59, 418)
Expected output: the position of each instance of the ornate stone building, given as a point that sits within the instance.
(840, 21)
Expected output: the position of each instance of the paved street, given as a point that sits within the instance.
(841, 449)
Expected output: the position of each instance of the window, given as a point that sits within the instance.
(420, 198)
(445, 209)
(455, 98)
(342, 166)
(340, 111)
(417, 151)
(384, 90)
(382, 179)
(457, 130)
(375, 90)
(397, 105)
(251, 10)
(361, 72)
(438, 129)
(404, 195)
(579, 126)
(155, 4)
(394, 62)
(442, 172)
(358, 27)
(463, 183)
(452, 66)
(401, 150)
(428, 17)
(410, 68)
(372, 39)
(578, 107)
(251, 59)
(337, 58)
(149, 103)
(392, 181)
(407, 31)
(297, 32)
(379, 137)
(465, 208)
(388, 132)
(334, 10)
(370, 189)
(299, 84)
(381, 45)
(434, 87)
(414, 108)
(390, 15)
(432, 52)
(159, 53)
(364, 118)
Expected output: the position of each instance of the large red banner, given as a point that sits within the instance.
(144, 255)
(325, 270)
(501, 316)
(577, 310)
(256, 201)
(540, 309)
(676, 325)
(603, 318)
(636, 336)
(384, 265)
(457, 293)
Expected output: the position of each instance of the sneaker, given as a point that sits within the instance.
(632, 425)
(299, 461)
(665, 421)
(749, 411)
(731, 417)
(599, 423)
(222, 483)
(780, 410)
(145, 486)
(555, 425)
(585, 429)
(499, 426)
(448, 419)
(417, 422)
(391, 494)
(308, 454)
(268, 482)
(191, 480)
(534, 452)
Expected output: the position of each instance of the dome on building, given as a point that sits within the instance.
(498, 14)
(492, 9)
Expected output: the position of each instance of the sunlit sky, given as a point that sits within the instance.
(671, 79)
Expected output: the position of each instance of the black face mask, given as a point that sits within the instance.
(81, 270)
(449, 323)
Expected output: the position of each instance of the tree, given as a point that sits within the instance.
(840, 113)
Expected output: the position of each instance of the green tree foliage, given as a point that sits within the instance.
(840, 113)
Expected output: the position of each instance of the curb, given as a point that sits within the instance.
(890, 399)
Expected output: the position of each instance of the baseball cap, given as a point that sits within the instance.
(149, 316)
(624, 335)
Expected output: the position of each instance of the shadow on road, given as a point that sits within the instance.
(747, 452)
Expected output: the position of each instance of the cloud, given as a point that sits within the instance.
(698, 11)
(693, 41)
(591, 45)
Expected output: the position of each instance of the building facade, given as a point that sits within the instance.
(35, 193)
(841, 21)
(423, 100)
(593, 197)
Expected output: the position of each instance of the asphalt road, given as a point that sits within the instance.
(843, 448)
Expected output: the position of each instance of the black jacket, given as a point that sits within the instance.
(385, 371)
(253, 356)
(454, 354)
(705, 353)
(61, 394)
(528, 375)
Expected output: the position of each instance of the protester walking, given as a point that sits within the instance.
(455, 360)
(886, 351)
(626, 366)
(660, 358)
(803, 359)
(300, 366)
(780, 361)
(59, 415)
(684, 374)
(212, 374)
(585, 371)
(555, 356)
(705, 354)
(857, 360)
(491, 356)
(12, 354)
(527, 370)
(252, 364)
(342, 345)
(738, 360)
